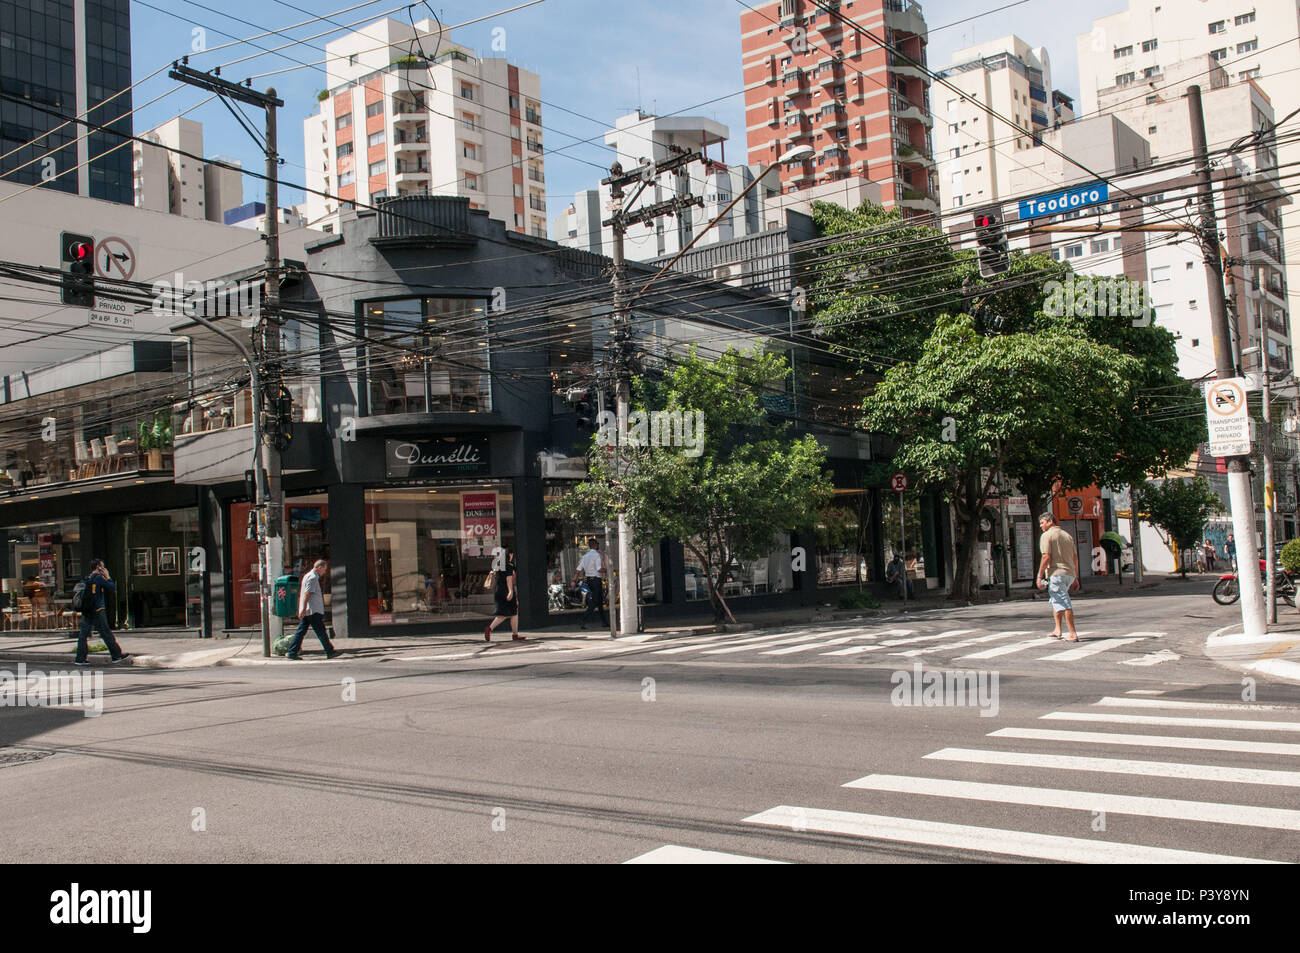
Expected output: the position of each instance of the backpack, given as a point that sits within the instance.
(79, 597)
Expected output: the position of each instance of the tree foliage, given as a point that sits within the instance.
(1181, 508)
(750, 480)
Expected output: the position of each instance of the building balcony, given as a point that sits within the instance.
(903, 16)
(918, 201)
(802, 173)
(410, 146)
(901, 67)
(795, 81)
(535, 145)
(410, 174)
(832, 119)
(904, 108)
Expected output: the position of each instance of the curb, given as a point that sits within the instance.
(1286, 670)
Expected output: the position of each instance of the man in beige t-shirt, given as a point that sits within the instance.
(1058, 572)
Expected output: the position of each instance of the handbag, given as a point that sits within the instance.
(488, 579)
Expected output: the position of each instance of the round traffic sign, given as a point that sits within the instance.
(899, 482)
(1075, 505)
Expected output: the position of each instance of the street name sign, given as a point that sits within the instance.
(1067, 200)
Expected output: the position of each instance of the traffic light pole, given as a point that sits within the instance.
(268, 497)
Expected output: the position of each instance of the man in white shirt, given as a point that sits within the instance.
(592, 568)
(311, 612)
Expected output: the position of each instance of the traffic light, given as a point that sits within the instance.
(580, 400)
(279, 428)
(995, 256)
(77, 261)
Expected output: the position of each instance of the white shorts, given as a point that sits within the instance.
(1058, 592)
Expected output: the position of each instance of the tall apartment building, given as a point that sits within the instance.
(407, 111)
(166, 181)
(1137, 140)
(1126, 56)
(70, 57)
(640, 136)
(976, 152)
(813, 79)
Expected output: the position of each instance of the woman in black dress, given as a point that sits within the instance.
(507, 600)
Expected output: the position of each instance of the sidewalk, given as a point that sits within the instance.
(1276, 653)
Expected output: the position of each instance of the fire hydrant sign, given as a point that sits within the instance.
(1227, 417)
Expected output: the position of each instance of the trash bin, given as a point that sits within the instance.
(285, 596)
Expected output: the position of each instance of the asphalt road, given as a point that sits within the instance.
(774, 746)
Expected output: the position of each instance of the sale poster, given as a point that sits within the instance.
(46, 546)
(478, 523)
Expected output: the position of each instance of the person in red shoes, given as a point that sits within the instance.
(506, 597)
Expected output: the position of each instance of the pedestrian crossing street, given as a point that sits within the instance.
(1070, 776)
(828, 645)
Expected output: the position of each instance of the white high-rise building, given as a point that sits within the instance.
(976, 153)
(1126, 57)
(166, 181)
(406, 111)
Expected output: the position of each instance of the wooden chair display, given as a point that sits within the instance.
(395, 399)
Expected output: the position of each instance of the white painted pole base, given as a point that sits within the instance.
(1253, 620)
(629, 615)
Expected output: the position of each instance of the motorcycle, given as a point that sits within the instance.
(1227, 590)
(561, 597)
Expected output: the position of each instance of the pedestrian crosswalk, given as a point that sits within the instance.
(958, 798)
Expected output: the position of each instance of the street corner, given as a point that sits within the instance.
(1275, 654)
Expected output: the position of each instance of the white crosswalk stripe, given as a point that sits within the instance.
(910, 653)
(1245, 815)
(1153, 769)
(1151, 741)
(1094, 647)
(990, 840)
(1008, 649)
(1122, 702)
(673, 854)
(677, 650)
(1123, 718)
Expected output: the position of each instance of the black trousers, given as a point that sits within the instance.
(100, 621)
(595, 600)
(317, 622)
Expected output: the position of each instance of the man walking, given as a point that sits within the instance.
(311, 612)
(1230, 551)
(95, 612)
(1058, 572)
(592, 568)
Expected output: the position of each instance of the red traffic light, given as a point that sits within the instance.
(983, 221)
(79, 251)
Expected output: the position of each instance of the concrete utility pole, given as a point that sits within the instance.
(1253, 619)
(620, 221)
(268, 499)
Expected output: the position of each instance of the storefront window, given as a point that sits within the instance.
(429, 551)
(155, 562)
(742, 577)
(904, 539)
(405, 364)
(306, 528)
(844, 541)
(41, 569)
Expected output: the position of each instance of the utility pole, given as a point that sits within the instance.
(268, 499)
(1254, 621)
(1266, 452)
(620, 221)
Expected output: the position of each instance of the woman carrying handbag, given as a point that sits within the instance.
(507, 600)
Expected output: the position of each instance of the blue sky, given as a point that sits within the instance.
(682, 55)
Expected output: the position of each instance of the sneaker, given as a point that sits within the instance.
(294, 658)
(121, 658)
(335, 653)
(83, 664)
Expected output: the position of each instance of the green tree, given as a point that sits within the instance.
(971, 401)
(1181, 508)
(749, 480)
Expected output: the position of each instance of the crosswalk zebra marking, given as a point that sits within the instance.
(790, 650)
(859, 649)
(1170, 720)
(910, 653)
(1154, 769)
(673, 854)
(749, 648)
(714, 641)
(985, 839)
(1007, 649)
(1151, 741)
(1245, 815)
(1094, 647)
(1122, 702)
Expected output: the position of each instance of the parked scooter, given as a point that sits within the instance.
(1227, 590)
(561, 597)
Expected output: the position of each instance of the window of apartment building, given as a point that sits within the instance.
(1218, 26)
(467, 121)
(1152, 100)
(956, 201)
(471, 181)
(469, 150)
(375, 109)
(514, 102)
(347, 178)
(342, 122)
(378, 168)
(1151, 130)
(1150, 71)
(1220, 54)
(1248, 74)
(1250, 46)
(466, 91)
(1123, 79)
(1123, 51)
(785, 61)
(378, 194)
(376, 138)
(1191, 265)
(1160, 274)
(1149, 45)
(1191, 305)
(1244, 18)
(1099, 245)
(1074, 251)
(344, 150)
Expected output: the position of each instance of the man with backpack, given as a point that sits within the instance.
(88, 599)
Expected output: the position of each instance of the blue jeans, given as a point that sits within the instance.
(100, 621)
(317, 622)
